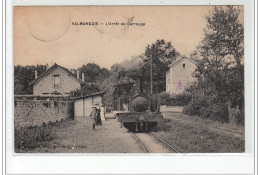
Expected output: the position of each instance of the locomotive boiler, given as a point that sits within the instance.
(143, 115)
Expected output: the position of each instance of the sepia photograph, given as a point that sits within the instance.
(128, 79)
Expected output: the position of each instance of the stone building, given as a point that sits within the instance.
(56, 80)
(179, 74)
(83, 105)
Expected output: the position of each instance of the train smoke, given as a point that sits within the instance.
(131, 64)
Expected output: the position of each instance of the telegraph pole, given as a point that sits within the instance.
(151, 74)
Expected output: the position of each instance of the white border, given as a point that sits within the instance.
(134, 163)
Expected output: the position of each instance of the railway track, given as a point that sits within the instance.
(140, 143)
(145, 145)
(236, 134)
(165, 143)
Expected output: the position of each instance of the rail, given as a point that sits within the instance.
(139, 142)
(167, 144)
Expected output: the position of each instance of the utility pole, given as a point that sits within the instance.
(151, 74)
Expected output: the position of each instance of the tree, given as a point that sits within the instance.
(86, 89)
(93, 72)
(224, 35)
(23, 76)
(220, 73)
(223, 50)
(162, 54)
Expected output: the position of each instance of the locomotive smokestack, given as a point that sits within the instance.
(138, 88)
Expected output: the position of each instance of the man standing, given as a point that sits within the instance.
(93, 116)
(98, 121)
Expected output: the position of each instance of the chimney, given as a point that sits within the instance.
(83, 77)
(138, 87)
(47, 66)
(36, 74)
(77, 74)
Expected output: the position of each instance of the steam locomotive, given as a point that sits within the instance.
(144, 114)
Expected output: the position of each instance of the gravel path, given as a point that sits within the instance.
(80, 138)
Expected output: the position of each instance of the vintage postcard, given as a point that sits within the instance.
(129, 79)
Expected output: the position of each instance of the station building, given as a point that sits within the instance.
(56, 80)
(180, 74)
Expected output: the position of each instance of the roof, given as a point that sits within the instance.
(46, 72)
(90, 95)
(181, 58)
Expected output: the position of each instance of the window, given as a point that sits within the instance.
(56, 80)
(183, 66)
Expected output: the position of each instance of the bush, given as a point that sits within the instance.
(189, 110)
(215, 112)
(175, 99)
(207, 107)
(238, 115)
(27, 138)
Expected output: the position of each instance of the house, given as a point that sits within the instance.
(56, 80)
(179, 74)
(83, 105)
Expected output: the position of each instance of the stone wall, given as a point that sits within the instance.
(31, 112)
(164, 108)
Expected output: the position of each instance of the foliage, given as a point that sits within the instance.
(175, 99)
(220, 73)
(222, 52)
(196, 135)
(162, 54)
(224, 36)
(93, 73)
(207, 106)
(86, 89)
(23, 76)
(28, 139)
(32, 137)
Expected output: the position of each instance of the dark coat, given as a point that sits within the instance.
(93, 115)
(98, 121)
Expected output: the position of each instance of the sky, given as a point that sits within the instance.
(46, 35)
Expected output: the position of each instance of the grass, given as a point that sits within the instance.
(206, 122)
(196, 136)
(30, 138)
(188, 134)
